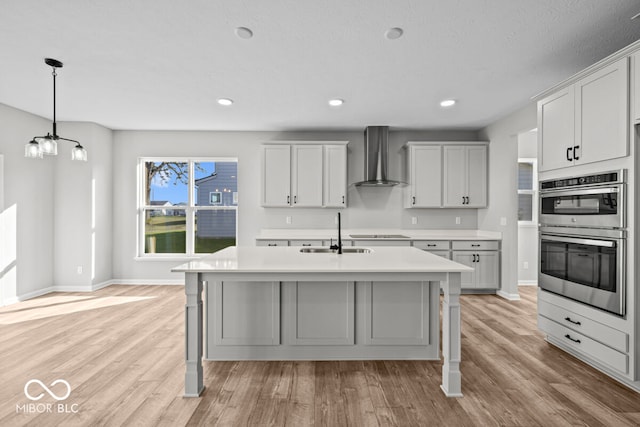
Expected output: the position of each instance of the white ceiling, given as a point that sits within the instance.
(161, 64)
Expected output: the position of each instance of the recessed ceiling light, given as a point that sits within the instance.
(336, 102)
(448, 103)
(244, 33)
(394, 33)
(225, 101)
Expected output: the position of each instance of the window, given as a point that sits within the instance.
(527, 194)
(187, 206)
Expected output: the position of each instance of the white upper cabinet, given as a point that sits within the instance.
(425, 176)
(335, 176)
(276, 182)
(465, 176)
(306, 182)
(586, 122)
(556, 130)
(304, 174)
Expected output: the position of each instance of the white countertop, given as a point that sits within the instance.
(287, 259)
(412, 234)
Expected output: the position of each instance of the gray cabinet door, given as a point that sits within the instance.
(322, 313)
(487, 270)
(397, 313)
(468, 280)
(246, 313)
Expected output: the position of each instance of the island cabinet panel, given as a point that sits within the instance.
(246, 313)
(322, 313)
(397, 313)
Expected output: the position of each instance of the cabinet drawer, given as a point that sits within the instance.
(305, 242)
(604, 354)
(432, 245)
(491, 245)
(599, 332)
(443, 254)
(272, 243)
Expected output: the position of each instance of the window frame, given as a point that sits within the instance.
(190, 208)
(533, 192)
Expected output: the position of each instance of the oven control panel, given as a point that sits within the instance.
(585, 180)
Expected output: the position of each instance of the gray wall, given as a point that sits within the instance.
(367, 207)
(503, 189)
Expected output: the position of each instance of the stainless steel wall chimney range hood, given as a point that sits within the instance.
(376, 158)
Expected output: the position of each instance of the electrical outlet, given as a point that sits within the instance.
(525, 265)
(288, 220)
(79, 269)
(414, 220)
(458, 220)
(503, 220)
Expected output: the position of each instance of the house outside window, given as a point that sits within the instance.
(187, 206)
(527, 192)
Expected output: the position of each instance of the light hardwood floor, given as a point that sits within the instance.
(121, 349)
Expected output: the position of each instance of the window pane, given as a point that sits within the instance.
(525, 207)
(215, 230)
(525, 176)
(166, 183)
(216, 182)
(165, 231)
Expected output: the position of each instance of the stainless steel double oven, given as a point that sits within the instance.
(583, 239)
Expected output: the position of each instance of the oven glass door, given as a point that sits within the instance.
(576, 203)
(586, 262)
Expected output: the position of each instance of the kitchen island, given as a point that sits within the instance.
(293, 303)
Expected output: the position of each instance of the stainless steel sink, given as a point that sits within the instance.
(335, 251)
(378, 236)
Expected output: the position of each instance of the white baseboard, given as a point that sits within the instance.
(508, 296)
(527, 283)
(173, 282)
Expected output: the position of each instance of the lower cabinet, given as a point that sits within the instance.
(602, 343)
(484, 258)
(322, 320)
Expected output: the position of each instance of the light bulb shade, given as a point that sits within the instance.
(79, 153)
(32, 150)
(49, 146)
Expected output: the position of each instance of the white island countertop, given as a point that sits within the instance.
(288, 259)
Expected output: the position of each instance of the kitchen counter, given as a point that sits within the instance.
(378, 305)
(412, 234)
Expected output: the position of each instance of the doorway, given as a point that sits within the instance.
(528, 207)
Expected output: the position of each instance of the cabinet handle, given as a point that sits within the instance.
(343, 200)
(572, 339)
(413, 200)
(467, 199)
(568, 319)
(295, 199)
(431, 245)
(575, 152)
(463, 200)
(569, 150)
(477, 257)
(272, 244)
(306, 244)
(475, 245)
(288, 199)
(474, 258)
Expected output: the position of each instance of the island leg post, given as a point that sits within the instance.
(451, 330)
(193, 380)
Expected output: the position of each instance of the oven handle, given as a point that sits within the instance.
(590, 242)
(599, 190)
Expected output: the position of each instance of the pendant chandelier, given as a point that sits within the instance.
(48, 144)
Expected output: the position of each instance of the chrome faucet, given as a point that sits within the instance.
(339, 245)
